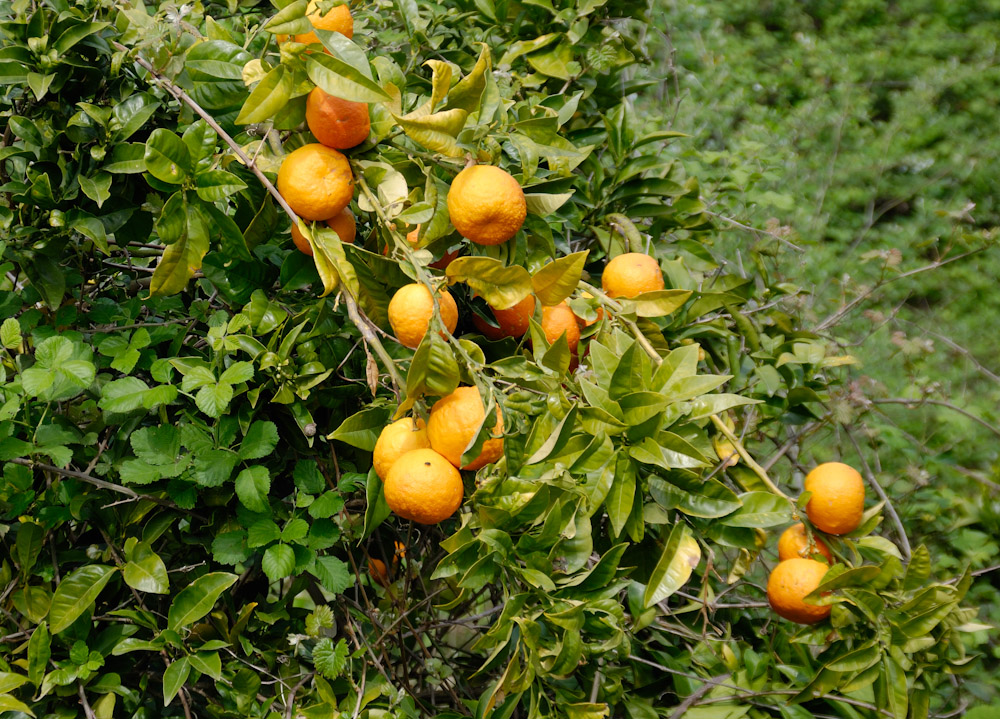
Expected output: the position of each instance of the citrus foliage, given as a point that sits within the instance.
(190, 404)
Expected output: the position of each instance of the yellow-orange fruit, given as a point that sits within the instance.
(837, 503)
(453, 424)
(342, 223)
(338, 19)
(486, 205)
(411, 310)
(513, 321)
(337, 123)
(557, 320)
(423, 486)
(794, 542)
(395, 440)
(789, 583)
(631, 274)
(316, 181)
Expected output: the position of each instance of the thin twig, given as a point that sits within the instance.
(912, 403)
(873, 481)
(87, 710)
(750, 461)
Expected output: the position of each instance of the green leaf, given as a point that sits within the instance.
(278, 562)
(183, 257)
(11, 704)
(290, 19)
(436, 132)
(340, 79)
(174, 678)
(544, 205)
(681, 555)
(328, 659)
(123, 395)
(207, 663)
(197, 599)
(660, 303)
(622, 494)
(260, 440)
(252, 487)
(333, 574)
(145, 571)
(39, 652)
(76, 594)
(501, 287)
(97, 188)
(167, 157)
(760, 509)
(362, 429)
(213, 399)
(215, 185)
(557, 280)
(271, 95)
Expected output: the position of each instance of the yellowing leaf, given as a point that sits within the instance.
(501, 287)
(680, 556)
(556, 281)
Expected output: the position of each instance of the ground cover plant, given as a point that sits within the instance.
(473, 413)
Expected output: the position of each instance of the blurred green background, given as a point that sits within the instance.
(865, 134)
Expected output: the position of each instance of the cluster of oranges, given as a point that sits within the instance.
(315, 180)
(418, 463)
(836, 506)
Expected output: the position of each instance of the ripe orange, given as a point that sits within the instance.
(794, 542)
(378, 571)
(423, 486)
(486, 204)
(316, 182)
(838, 497)
(411, 309)
(342, 223)
(453, 424)
(397, 439)
(337, 123)
(631, 274)
(558, 320)
(789, 582)
(337, 20)
(513, 321)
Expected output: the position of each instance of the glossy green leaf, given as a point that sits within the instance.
(197, 598)
(76, 594)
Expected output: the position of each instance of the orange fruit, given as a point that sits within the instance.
(486, 205)
(423, 486)
(411, 309)
(337, 20)
(789, 582)
(397, 439)
(513, 321)
(342, 223)
(453, 424)
(631, 274)
(794, 542)
(378, 571)
(558, 320)
(838, 497)
(337, 123)
(316, 182)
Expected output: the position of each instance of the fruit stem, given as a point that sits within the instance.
(636, 332)
(363, 323)
(750, 462)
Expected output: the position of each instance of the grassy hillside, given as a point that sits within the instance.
(863, 133)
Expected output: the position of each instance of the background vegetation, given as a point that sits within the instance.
(861, 130)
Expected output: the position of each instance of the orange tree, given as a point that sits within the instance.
(191, 520)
